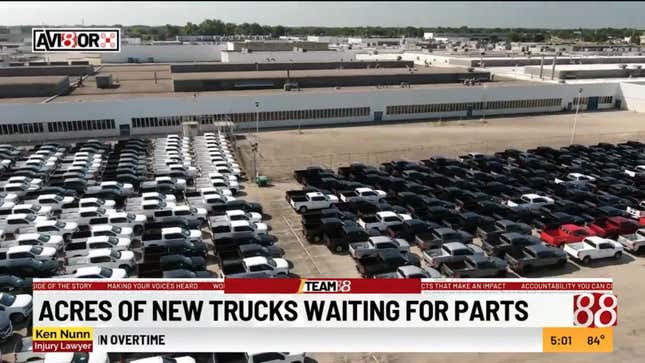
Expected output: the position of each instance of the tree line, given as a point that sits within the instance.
(218, 27)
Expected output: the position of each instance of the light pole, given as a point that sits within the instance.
(575, 118)
(257, 140)
(257, 118)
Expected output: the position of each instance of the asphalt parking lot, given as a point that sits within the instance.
(333, 147)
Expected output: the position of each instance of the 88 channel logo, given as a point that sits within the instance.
(76, 40)
(595, 310)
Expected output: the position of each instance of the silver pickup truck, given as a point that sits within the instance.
(634, 242)
(375, 244)
(450, 252)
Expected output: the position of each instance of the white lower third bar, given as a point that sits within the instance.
(319, 340)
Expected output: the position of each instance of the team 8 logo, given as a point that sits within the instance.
(337, 286)
(595, 310)
(76, 40)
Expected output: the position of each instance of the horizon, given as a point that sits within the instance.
(544, 15)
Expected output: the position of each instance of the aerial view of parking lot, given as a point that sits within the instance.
(263, 143)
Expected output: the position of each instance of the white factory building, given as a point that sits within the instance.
(165, 53)
(288, 56)
(123, 115)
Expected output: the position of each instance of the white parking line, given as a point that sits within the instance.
(301, 244)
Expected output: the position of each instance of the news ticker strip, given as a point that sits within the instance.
(450, 340)
(325, 315)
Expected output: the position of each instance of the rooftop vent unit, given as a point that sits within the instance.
(106, 81)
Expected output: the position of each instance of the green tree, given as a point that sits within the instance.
(513, 36)
(191, 29)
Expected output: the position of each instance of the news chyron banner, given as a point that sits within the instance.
(324, 315)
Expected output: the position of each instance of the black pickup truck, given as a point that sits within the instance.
(156, 269)
(467, 221)
(224, 245)
(535, 256)
(337, 235)
(410, 229)
(385, 261)
(440, 236)
(491, 232)
(312, 175)
(475, 266)
(186, 248)
(240, 204)
(312, 222)
(507, 242)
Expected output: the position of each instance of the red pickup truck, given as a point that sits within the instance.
(566, 233)
(613, 227)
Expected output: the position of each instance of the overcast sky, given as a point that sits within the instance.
(473, 14)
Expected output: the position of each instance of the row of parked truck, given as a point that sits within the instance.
(524, 210)
(144, 208)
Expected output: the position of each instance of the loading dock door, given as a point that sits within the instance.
(469, 111)
(124, 130)
(592, 105)
(378, 116)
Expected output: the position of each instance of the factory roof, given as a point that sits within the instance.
(7, 81)
(589, 67)
(315, 73)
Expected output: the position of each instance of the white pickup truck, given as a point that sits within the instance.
(312, 201)
(36, 209)
(58, 228)
(18, 307)
(267, 265)
(82, 216)
(16, 222)
(36, 239)
(83, 247)
(240, 215)
(224, 228)
(171, 234)
(576, 177)
(382, 220)
(98, 272)
(634, 242)
(529, 201)
(637, 211)
(368, 194)
(103, 257)
(594, 248)
(169, 198)
(35, 252)
(638, 170)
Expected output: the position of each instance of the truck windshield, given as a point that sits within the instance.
(36, 250)
(60, 224)
(116, 229)
(44, 237)
(7, 300)
(106, 272)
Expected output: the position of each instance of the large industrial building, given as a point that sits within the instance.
(377, 87)
(218, 81)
